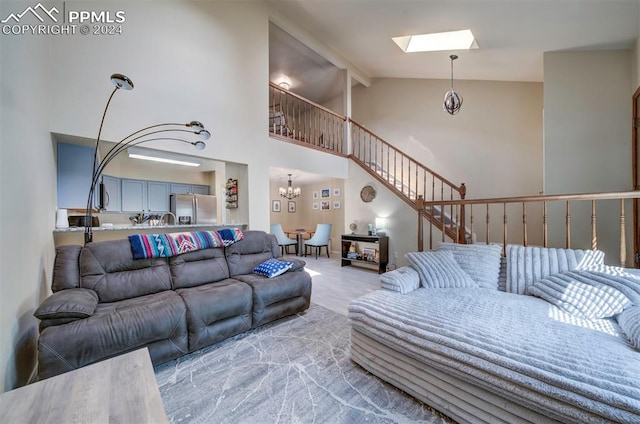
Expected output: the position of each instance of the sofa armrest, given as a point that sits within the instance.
(69, 304)
(402, 280)
(298, 264)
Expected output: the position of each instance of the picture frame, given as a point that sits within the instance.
(275, 206)
(368, 254)
(291, 207)
(325, 193)
(316, 195)
(336, 204)
(336, 192)
(325, 205)
(316, 206)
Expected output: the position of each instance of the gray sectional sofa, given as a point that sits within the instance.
(541, 336)
(106, 303)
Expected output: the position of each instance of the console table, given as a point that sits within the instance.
(122, 389)
(382, 245)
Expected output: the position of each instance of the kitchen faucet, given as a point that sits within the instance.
(175, 220)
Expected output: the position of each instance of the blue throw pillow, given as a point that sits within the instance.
(272, 268)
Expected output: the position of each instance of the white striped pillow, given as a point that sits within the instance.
(629, 321)
(438, 269)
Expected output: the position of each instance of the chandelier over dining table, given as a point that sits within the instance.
(289, 192)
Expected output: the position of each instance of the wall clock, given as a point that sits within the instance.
(368, 193)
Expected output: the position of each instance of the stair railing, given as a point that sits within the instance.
(564, 217)
(407, 177)
(298, 120)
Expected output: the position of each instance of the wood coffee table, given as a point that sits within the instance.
(118, 390)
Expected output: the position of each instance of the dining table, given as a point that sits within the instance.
(300, 234)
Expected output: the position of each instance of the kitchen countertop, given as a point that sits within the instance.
(129, 227)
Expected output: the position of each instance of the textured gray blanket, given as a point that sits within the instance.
(517, 346)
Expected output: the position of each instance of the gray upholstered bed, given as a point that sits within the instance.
(483, 355)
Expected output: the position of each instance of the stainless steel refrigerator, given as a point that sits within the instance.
(194, 209)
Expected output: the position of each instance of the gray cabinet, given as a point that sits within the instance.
(180, 188)
(158, 196)
(74, 171)
(200, 189)
(111, 195)
(134, 195)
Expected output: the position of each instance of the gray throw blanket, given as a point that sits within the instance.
(519, 347)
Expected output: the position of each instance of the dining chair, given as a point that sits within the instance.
(283, 241)
(320, 239)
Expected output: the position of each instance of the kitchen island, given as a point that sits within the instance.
(75, 235)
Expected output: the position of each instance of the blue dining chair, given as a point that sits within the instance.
(283, 241)
(320, 239)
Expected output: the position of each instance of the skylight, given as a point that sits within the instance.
(451, 40)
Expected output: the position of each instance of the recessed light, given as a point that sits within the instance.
(451, 40)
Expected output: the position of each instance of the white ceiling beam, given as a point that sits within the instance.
(318, 46)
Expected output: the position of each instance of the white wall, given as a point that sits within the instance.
(494, 144)
(587, 103)
(27, 190)
(587, 121)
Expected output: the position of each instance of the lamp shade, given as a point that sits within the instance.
(122, 81)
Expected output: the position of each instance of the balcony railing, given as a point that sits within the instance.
(295, 119)
(585, 221)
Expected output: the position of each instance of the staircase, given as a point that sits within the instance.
(295, 119)
(410, 181)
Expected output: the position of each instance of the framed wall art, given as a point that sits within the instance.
(291, 206)
(275, 206)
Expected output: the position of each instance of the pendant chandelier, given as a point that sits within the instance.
(452, 100)
(289, 192)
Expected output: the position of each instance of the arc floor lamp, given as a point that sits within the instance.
(165, 131)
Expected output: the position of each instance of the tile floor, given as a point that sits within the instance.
(334, 286)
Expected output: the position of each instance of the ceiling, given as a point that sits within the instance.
(512, 36)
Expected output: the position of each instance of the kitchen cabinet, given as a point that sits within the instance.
(112, 197)
(134, 195)
(158, 196)
(179, 188)
(74, 170)
(200, 189)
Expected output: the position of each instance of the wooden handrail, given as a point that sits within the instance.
(429, 170)
(316, 105)
(542, 200)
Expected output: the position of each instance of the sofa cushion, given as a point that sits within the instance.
(114, 328)
(481, 261)
(199, 267)
(66, 270)
(217, 311)
(402, 280)
(248, 253)
(272, 268)
(279, 296)
(629, 321)
(580, 297)
(108, 268)
(528, 264)
(71, 303)
(438, 269)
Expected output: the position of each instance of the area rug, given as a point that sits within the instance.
(294, 370)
